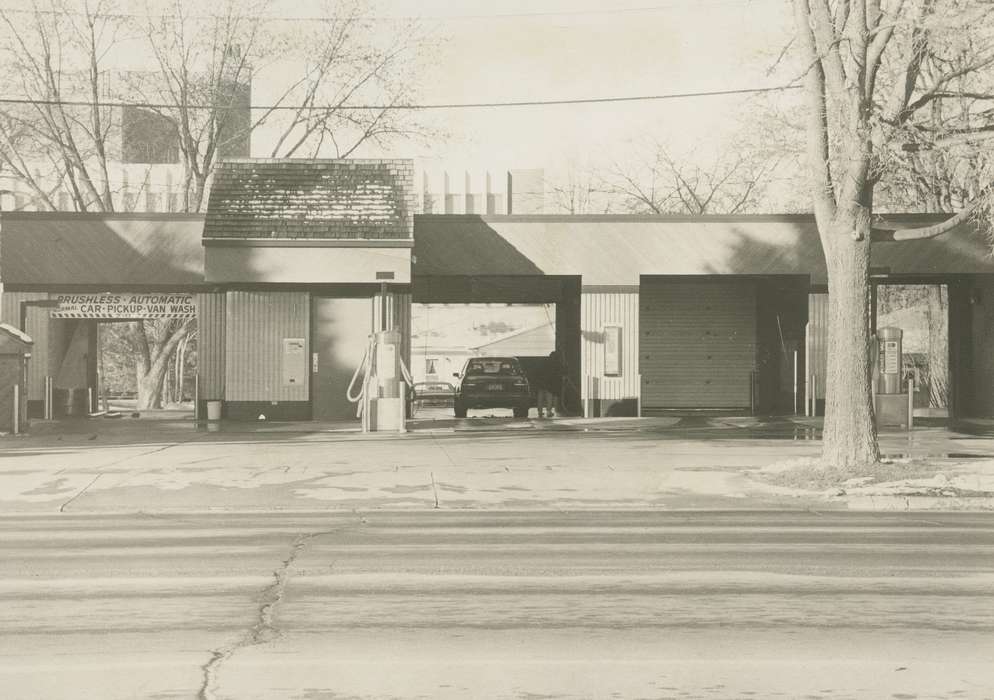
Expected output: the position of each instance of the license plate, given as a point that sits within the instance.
(495, 387)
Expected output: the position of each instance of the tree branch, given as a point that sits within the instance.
(924, 232)
(817, 127)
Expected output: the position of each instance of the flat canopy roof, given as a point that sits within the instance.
(617, 250)
(64, 248)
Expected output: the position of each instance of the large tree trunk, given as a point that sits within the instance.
(850, 439)
(155, 359)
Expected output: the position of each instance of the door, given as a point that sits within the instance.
(340, 333)
(697, 342)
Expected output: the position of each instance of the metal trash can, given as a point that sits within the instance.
(213, 410)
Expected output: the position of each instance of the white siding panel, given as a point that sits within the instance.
(210, 344)
(818, 341)
(609, 306)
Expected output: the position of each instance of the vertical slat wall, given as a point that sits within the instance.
(210, 344)
(818, 340)
(255, 325)
(37, 327)
(609, 306)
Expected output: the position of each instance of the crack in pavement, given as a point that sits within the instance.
(62, 508)
(264, 630)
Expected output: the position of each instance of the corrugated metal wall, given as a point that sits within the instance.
(697, 342)
(255, 325)
(817, 341)
(399, 310)
(38, 327)
(609, 306)
(210, 344)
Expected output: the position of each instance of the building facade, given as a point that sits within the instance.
(296, 262)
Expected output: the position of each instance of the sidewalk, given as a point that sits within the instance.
(123, 465)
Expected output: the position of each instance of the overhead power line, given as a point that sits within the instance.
(403, 107)
(659, 7)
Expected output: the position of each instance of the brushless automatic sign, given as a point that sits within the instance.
(123, 306)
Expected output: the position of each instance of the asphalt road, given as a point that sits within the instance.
(442, 604)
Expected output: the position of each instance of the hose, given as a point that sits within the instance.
(407, 374)
(362, 369)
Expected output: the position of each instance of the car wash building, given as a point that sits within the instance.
(296, 262)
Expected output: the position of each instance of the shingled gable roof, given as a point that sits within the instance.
(312, 199)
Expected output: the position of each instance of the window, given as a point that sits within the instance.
(496, 366)
(430, 365)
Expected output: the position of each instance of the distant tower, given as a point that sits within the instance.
(526, 191)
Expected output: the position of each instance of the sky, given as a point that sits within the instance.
(520, 50)
(530, 50)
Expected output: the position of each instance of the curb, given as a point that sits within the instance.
(918, 503)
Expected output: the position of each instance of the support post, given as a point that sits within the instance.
(911, 403)
(384, 323)
(17, 410)
(402, 423)
(585, 396)
(89, 399)
(638, 397)
(794, 406)
(807, 367)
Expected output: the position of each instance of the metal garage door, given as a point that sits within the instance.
(697, 342)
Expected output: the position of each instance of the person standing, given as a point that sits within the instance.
(550, 386)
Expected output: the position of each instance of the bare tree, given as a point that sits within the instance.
(54, 56)
(326, 67)
(734, 181)
(578, 190)
(61, 56)
(874, 71)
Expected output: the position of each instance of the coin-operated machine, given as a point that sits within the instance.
(892, 395)
(380, 384)
(387, 398)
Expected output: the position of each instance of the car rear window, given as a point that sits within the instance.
(491, 367)
(436, 387)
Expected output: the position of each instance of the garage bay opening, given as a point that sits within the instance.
(921, 311)
(445, 337)
(115, 354)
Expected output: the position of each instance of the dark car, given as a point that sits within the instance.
(493, 382)
(433, 394)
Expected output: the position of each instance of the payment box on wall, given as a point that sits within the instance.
(294, 362)
(612, 351)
